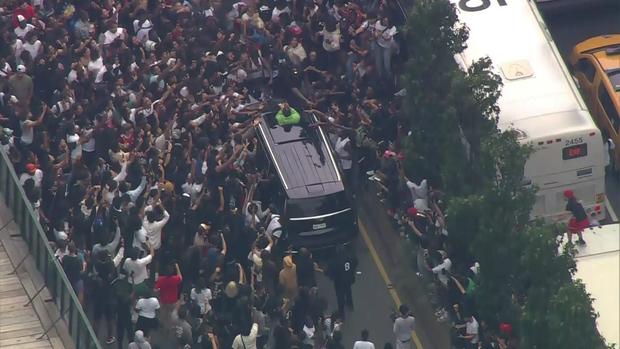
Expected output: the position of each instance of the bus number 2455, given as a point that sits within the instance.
(573, 141)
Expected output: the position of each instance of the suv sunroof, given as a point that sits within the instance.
(285, 134)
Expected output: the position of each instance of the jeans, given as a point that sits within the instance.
(351, 59)
(343, 296)
(383, 59)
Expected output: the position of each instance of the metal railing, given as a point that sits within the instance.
(56, 281)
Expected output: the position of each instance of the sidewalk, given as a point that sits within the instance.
(22, 323)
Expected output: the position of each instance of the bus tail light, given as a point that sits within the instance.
(600, 198)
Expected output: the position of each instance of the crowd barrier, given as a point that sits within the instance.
(56, 281)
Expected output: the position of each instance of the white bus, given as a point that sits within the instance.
(598, 266)
(540, 101)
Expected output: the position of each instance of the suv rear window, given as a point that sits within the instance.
(317, 206)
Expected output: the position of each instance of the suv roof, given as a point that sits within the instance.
(302, 157)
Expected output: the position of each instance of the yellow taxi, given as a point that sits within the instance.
(595, 65)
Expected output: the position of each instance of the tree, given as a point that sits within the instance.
(435, 38)
(454, 139)
(565, 320)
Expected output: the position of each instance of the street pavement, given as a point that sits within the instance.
(371, 299)
(571, 25)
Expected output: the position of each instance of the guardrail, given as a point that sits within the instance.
(56, 281)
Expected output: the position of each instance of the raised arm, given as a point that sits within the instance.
(38, 121)
(224, 246)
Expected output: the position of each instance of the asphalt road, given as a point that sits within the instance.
(571, 25)
(371, 300)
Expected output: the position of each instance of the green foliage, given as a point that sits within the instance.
(429, 74)
(565, 320)
(454, 141)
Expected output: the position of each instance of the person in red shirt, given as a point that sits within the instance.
(168, 286)
(26, 10)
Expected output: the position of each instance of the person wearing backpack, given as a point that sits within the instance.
(247, 338)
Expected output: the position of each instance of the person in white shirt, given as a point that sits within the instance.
(27, 126)
(403, 326)
(442, 270)
(136, 270)
(280, 8)
(383, 46)
(247, 338)
(153, 226)
(23, 28)
(364, 343)
(123, 187)
(33, 45)
(295, 48)
(113, 33)
(192, 187)
(147, 314)
(201, 295)
(471, 336)
(274, 228)
(32, 172)
(5, 69)
(419, 193)
(142, 29)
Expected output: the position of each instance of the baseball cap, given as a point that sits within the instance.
(20, 18)
(31, 167)
(412, 212)
(21, 68)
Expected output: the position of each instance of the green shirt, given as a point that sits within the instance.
(292, 119)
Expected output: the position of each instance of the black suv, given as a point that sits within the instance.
(315, 209)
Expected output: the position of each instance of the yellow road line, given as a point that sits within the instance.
(384, 275)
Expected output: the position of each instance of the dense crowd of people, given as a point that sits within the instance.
(131, 126)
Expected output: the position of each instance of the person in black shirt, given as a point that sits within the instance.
(579, 221)
(72, 265)
(342, 271)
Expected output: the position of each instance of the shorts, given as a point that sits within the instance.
(146, 324)
(577, 227)
(78, 286)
